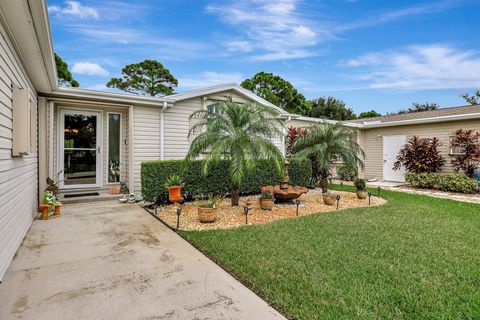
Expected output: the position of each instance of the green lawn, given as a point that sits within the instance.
(414, 258)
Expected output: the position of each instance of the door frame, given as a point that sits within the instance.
(99, 146)
(404, 137)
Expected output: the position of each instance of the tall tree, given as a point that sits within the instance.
(148, 77)
(325, 143)
(472, 99)
(417, 107)
(238, 133)
(369, 114)
(65, 77)
(331, 108)
(278, 91)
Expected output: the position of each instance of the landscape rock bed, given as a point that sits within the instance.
(232, 217)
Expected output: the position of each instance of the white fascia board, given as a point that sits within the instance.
(456, 117)
(119, 98)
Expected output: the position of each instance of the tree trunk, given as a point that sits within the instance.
(235, 197)
(324, 184)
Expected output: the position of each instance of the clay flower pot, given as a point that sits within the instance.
(57, 211)
(329, 200)
(362, 194)
(207, 215)
(266, 204)
(175, 194)
(114, 190)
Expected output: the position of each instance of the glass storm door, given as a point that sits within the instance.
(80, 154)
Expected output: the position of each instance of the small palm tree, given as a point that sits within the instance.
(239, 133)
(325, 143)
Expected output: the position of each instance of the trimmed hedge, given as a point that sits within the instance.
(155, 173)
(452, 182)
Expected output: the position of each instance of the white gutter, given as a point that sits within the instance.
(102, 96)
(456, 117)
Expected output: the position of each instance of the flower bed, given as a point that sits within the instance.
(232, 217)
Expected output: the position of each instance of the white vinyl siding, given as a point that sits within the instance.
(372, 142)
(18, 175)
(146, 140)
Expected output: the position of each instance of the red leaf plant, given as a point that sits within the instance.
(293, 134)
(420, 155)
(468, 141)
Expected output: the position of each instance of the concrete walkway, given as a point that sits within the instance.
(110, 261)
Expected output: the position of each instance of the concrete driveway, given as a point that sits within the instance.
(105, 260)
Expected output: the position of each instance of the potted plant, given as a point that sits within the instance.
(361, 187)
(266, 200)
(207, 210)
(174, 184)
(329, 198)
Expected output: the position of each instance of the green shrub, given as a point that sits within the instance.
(347, 173)
(155, 173)
(360, 184)
(452, 182)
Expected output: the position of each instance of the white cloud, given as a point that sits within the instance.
(89, 68)
(74, 8)
(275, 30)
(420, 67)
(208, 78)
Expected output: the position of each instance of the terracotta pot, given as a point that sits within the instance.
(114, 190)
(329, 200)
(44, 209)
(362, 194)
(57, 211)
(207, 215)
(175, 194)
(266, 204)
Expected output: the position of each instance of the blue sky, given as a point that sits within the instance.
(373, 54)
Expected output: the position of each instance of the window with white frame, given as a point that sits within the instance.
(455, 150)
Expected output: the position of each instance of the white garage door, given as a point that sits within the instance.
(391, 147)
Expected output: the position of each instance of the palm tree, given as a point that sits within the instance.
(327, 142)
(239, 133)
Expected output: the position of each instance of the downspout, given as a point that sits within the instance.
(162, 130)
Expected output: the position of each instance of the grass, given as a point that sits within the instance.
(416, 257)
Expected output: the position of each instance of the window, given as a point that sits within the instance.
(114, 130)
(456, 150)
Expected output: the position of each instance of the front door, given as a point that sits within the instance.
(391, 148)
(80, 148)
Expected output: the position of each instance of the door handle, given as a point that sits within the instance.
(98, 148)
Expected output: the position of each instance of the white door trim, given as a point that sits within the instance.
(61, 151)
(393, 146)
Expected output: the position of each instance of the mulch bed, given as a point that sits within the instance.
(232, 217)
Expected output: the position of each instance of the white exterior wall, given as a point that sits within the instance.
(145, 140)
(18, 176)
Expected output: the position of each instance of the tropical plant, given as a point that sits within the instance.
(292, 136)
(174, 181)
(266, 195)
(211, 202)
(148, 77)
(420, 155)
(417, 107)
(468, 141)
(473, 99)
(360, 184)
(240, 133)
(278, 91)
(325, 143)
